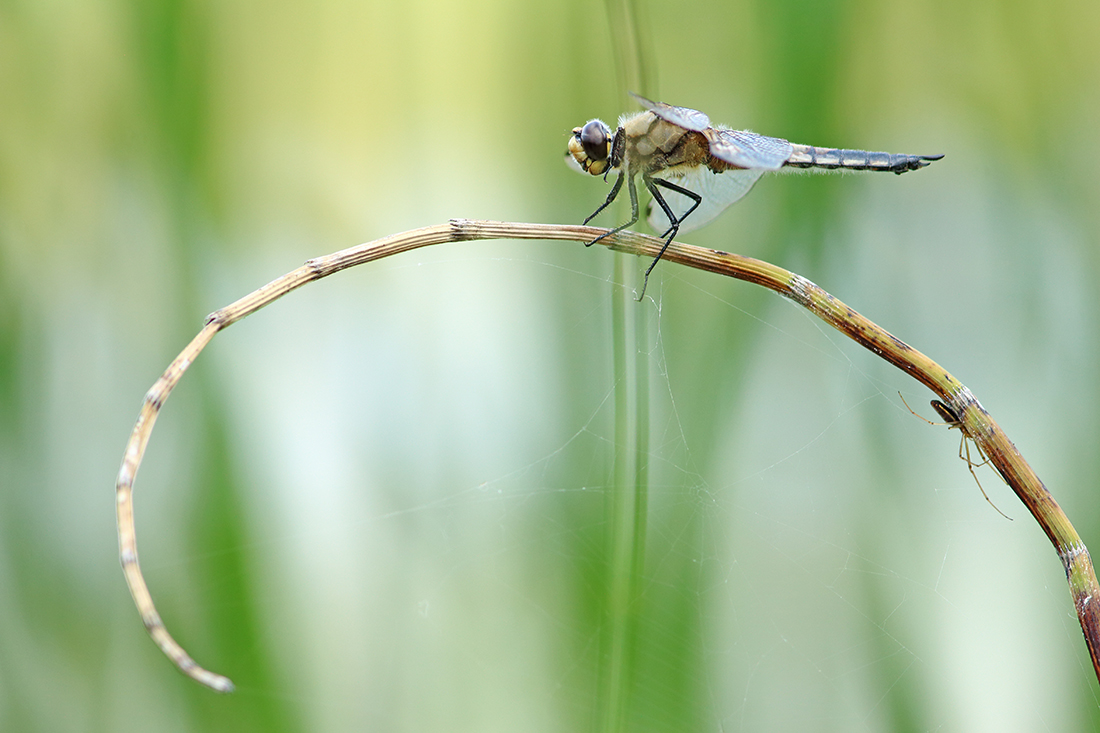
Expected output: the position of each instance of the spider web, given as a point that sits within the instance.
(433, 531)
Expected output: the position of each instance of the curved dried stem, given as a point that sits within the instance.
(960, 407)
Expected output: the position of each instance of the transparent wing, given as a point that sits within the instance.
(718, 190)
(747, 149)
(690, 119)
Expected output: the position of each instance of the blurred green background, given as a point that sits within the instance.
(386, 502)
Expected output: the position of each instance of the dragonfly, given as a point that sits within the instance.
(701, 168)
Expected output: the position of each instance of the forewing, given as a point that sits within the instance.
(718, 190)
(747, 149)
(691, 119)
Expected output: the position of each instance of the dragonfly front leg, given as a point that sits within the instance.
(633, 207)
(610, 197)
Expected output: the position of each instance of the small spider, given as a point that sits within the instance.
(952, 421)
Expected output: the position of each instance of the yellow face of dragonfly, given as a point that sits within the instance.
(590, 147)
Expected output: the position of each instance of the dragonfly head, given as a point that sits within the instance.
(590, 147)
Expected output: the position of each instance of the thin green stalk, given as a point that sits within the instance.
(629, 502)
(615, 667)
(640, 520)
(631, 46)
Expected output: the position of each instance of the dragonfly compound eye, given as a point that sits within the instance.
(595, 139)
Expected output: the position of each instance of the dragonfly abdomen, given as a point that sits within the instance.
(807, 156)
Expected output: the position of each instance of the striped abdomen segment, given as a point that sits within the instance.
(807, 156)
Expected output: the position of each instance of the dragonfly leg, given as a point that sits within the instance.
(610, 197)
(633, 207)
(651, 184)
(696, 199)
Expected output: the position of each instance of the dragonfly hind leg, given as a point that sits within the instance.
(695, 198)
(670, 233)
